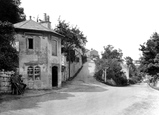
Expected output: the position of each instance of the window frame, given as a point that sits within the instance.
(29, 73)
(54, 47)
(29, 35)
(39, 73)
(28, 44)
(33, 73)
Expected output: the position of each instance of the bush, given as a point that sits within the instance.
(98, 75)
(134, 80)
(121, 81)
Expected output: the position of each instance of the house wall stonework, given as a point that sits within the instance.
(41, 56)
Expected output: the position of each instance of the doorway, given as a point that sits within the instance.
(54, 76)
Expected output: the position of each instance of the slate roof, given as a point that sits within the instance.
(32, 25)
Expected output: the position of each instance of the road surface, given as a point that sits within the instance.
(86, 96)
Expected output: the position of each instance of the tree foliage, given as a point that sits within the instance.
(10, 11)
(111, 60)
(150, 59)
(73, 37)
(8, 54)
(111, 53)
(132, 67)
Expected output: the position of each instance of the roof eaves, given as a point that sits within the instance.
(41, 31)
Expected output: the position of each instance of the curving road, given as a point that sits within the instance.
(85, 96)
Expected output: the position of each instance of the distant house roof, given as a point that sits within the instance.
(94, 52)
(32, 25)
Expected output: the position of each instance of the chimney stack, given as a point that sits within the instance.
(46, 21)
(45, 17)
(48, 18)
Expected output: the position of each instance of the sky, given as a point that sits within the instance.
(125, 24)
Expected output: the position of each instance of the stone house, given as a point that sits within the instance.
(39, 54)
(94, 54)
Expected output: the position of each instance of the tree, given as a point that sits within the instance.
(111, 59)
(8, 54)
(128, 60)
(10, 11)
(150, 59)
(134, 73)
(73, 37)
(131, 65)
(111, 53)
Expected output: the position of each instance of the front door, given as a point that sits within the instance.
(54, 76)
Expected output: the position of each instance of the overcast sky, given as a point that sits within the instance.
(125, 24)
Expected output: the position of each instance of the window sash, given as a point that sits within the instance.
(54, 47)
(34, 73)
(30, 43)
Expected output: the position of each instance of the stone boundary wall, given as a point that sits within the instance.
(5, 85)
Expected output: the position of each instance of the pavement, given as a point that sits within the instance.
(28, 93)
(33, 92)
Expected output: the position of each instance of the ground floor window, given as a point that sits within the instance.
(34, 73)
(30, 73)
(37, 73)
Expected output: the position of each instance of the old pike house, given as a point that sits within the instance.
(39, 54)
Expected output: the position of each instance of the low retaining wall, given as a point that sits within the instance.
(5, 85)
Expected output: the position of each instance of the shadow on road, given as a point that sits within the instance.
(31, 102)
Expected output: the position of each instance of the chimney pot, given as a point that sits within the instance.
(48, 18)
(45, 17)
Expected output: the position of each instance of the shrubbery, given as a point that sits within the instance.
(111, 61)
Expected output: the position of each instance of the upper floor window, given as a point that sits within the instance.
(54, 47)
(30, 43)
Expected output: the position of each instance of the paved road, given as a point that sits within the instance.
(85, 96)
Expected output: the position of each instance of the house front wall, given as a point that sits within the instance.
(54, 59)
(38, 58)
